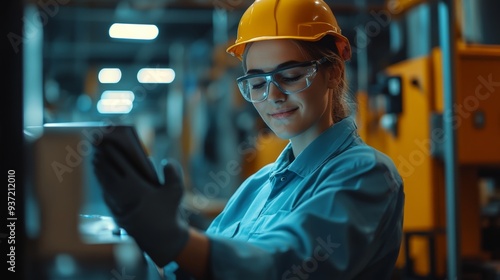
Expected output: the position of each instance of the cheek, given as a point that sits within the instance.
(260, 108)
(319, 99)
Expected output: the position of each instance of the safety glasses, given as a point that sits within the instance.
(290, 79)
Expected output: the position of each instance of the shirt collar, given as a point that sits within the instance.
(330, 142)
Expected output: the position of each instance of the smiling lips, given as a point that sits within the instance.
(285, 113)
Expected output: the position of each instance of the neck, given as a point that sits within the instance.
(301, 141)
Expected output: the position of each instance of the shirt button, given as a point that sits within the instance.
(283, 179)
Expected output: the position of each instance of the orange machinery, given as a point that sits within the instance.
(408, 127)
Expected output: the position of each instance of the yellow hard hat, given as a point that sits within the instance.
(308, 20)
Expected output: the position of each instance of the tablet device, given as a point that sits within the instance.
(127, 140)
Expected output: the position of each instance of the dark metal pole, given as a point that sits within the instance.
(448, 44)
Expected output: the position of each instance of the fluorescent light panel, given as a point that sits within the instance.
(133, 31)
(110, 75)
(114, 106)
(116, 102)
(118, 94)
(156, 75)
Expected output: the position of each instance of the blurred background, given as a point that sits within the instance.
(425, 75)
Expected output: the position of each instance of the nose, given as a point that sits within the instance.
(274, 93)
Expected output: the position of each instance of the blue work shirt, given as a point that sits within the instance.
(334, 212)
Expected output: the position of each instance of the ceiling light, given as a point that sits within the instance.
(133, 31)
(118, 94)
(114, 106)
(110, 75)
(116, 102)
(156, 75)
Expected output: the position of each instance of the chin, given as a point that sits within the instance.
(283, 134)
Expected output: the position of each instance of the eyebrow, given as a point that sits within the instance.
(284, 64)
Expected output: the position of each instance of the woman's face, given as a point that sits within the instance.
(302, 116)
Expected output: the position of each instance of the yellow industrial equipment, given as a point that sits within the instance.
(408, 126)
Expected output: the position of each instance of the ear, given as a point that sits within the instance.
(334, 74)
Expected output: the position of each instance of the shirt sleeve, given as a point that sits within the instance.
(350, 228)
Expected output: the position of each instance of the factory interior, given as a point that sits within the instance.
(425, 75)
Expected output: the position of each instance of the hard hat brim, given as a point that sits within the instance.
(342, 44)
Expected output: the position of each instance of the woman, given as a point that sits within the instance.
(330, 207)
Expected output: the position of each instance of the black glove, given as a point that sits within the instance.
(146, 209)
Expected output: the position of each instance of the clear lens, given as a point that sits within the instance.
(289, 80)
